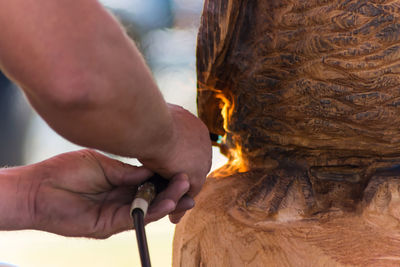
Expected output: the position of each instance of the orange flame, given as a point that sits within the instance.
(236, 163)
(226, 110)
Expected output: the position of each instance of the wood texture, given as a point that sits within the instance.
(307, 97)
(221, 231)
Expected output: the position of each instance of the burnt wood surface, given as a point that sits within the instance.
(307, 97)
(302, 76)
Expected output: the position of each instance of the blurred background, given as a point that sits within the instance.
(165, 31)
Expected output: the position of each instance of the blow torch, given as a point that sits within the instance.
(144, 196)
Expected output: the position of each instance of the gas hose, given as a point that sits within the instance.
(144, 196)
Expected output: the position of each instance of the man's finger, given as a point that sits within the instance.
(119, 220)
(176, 217)
(176, 189)
(119, 173)
(162, 209)
(196, 186)
(185, 204)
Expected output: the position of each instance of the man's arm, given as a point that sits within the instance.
(82, 73)
(89, 82)
(81, 193)
(14, 199)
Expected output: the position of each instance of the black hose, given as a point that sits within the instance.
(138, 221)
(145, 195)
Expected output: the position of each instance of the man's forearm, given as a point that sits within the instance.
(14, 200)
(83, 75)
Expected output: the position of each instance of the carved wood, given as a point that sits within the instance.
(307, 97)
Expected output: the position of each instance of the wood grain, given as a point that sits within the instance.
(310, 91)
(220, 231)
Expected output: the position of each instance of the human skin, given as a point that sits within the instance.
(81, 193)
(86, 78)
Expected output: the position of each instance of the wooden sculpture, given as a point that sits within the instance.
(306, 94)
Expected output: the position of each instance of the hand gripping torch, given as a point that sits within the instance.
(144, 196)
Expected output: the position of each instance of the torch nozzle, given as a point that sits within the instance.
(144, 196)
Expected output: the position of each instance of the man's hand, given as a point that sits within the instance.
(189, 151)
(87, 194)
(93, 87)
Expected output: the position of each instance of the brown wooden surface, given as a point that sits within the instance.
(303, 75)
(222, 232)
(310, 91)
